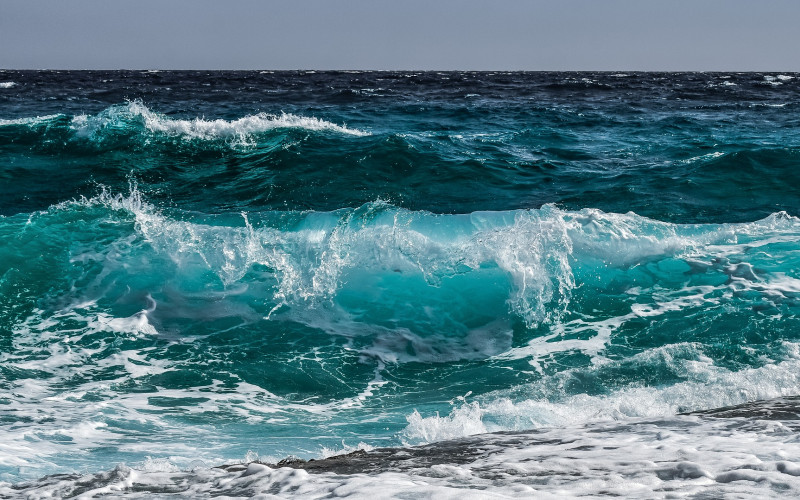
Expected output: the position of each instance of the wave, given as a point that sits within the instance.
(288, 319)
(283, 286)
(134, 118)
(777, 79)
(34, 121)
(199, 128)
(713, 457)
(313, 256)
(7, 85)
(706, 385)
(445, 287)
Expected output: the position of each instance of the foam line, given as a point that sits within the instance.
(200, 128)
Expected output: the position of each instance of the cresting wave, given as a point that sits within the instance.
(537, 287)
(562, 309)
(134, 117)
(309, 252)
(540, 266)
(278, 285)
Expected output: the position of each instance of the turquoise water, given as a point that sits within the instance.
(203, 268)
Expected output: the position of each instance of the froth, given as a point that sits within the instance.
(530, 256)
(198, 128)
(313, 261)
(679, 457)
(707, 386)
(29, 121)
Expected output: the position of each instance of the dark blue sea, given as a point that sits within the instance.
(558, 284)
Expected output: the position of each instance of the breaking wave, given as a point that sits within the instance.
(135, 118)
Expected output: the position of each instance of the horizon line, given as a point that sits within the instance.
(334, 70)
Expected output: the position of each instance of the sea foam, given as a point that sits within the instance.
(29, 121)
(706, 386)
(678, 457)
(537, 251)
(200, 128)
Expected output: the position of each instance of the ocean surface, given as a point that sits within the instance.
(489, 284)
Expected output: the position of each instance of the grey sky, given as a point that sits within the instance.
(724, 35)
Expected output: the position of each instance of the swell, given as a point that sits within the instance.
(297, 324)
(275, 162)
(230, 306)
(135, 124)
(382, 269)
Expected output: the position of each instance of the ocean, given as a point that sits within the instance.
(410, 284)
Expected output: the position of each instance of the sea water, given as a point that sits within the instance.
(539, 279)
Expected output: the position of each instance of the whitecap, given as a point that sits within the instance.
(707, 386)
(29, 121)
(200, 128)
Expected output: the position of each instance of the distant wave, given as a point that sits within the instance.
(135, 118)
(199, 128)
(7, 85)
(29, 121)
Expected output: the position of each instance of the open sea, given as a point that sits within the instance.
(475, 285)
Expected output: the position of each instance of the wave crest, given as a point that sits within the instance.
(533, 255)
(199, 128)
(405, 286)
(136, 121)
(705, 385)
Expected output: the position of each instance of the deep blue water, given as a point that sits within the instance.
(209, 266)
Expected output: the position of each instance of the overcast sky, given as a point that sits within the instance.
(711, 35)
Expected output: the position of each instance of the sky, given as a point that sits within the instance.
(644, 35)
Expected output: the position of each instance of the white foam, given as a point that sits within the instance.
(7, 85)
(536, 250)
(151, 464)
(199, 128)
(35, 120)
(707, 386)
(679, 457)
(345, 449)
(464, 420)
(92, 413)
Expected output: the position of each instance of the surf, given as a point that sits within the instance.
(234, 268)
